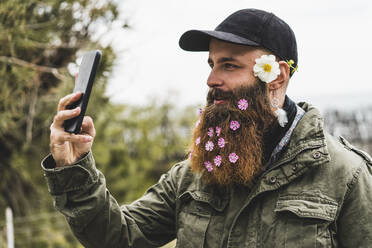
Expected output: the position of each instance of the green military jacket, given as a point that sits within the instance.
(318, 194)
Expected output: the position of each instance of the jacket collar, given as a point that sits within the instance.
(307, 146)
(309, 132)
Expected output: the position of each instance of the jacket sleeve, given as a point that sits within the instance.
(355, 219)
(80, 194)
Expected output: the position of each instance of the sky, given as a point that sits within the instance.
(333, 38)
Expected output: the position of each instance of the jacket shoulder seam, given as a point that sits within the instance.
(353, 181)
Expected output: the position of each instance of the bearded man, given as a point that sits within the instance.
(262, 172)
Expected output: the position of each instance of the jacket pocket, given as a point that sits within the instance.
(304, 221)
(196, 210)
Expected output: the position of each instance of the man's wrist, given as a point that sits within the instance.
(63, 163)
(79, 175)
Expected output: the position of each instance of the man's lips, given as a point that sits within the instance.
(221, 101)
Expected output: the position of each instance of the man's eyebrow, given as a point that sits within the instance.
(222, 60)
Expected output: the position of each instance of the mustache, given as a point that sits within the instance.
(218, 94)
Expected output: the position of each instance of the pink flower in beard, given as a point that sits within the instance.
(190, 155)
(209, 146)
(197, 141)
(234, 125)
(217, 160)
(210, 132)
(218, 131)
(208, 165)
(233, 157)
(243, 104)
(200, 111)
(197, 123)
(221, 142)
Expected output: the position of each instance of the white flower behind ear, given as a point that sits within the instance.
(266, 68)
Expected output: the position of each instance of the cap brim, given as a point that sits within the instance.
(198, 40)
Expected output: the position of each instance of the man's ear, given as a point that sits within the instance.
(282, 79)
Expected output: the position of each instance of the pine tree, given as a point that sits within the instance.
(134, 145)
(38, 40)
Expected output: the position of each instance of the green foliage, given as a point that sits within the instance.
(38, 39)
(133, 147)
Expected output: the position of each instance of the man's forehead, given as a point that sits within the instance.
(219, 49)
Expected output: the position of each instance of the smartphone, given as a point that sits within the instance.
(83, 83)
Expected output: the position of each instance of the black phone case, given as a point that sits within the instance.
(84, 83)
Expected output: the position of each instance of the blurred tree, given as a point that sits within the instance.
(39, 40)
(140, 145)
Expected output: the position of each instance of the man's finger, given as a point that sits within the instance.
(79, 138)
(63, 115)
(73, 138)
(88, 127)
(67, 100)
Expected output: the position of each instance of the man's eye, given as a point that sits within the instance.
(229, 66)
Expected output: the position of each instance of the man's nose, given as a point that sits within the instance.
(214, 81)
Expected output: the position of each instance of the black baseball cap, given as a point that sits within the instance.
(251, 27)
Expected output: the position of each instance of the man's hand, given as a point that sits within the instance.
(67, 148)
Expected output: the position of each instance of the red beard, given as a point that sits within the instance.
(228, 141)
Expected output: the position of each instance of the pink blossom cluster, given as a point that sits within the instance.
(218, 131)
(217, 160)
(243, 104)
(221, 142)
(209, 146)
(210, 132)
(190, 154)
(234, 125)
(208, 165)
(233, 157)
(197, 123)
